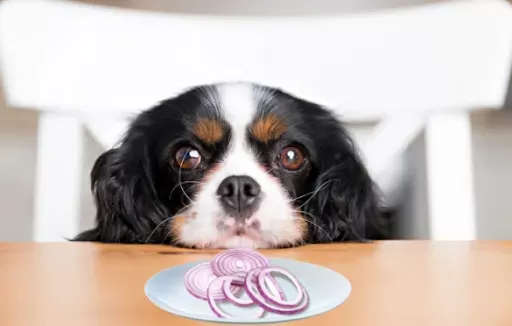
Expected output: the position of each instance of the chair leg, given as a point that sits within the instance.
(58, 178)
(451, 198)
(384, 150)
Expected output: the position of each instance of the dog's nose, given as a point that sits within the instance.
(239, 195)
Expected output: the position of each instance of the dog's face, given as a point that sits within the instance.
(233, 165)
(248, 160)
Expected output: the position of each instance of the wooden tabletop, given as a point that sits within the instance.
(394, 283)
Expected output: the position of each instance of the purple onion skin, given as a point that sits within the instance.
(219, 313)
(214, 309)
(275, 302)
(278, 310)
(206, 299)
(253, 287)
(238, 303)
(223, 299)
(299, 308)
(273, 280)
(219, 270)
(197, 292)
(196, 296)
(235, 302)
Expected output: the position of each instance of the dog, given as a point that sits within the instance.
(234, 165)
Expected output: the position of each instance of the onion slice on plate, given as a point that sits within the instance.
(235, 270)
(198, 280)
(267, 301)
(217, 283)
(239, 280)
(226, 290)
(263, 276)
(273, 285)
(234, 261)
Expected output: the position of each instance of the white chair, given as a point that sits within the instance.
(424, 67)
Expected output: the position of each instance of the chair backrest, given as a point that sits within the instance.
(90, 59)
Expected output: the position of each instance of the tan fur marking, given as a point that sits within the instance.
(209, 131)
(268, 128)
(301, 225)
(176, 224)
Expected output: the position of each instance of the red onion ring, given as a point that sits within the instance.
(236, 279)
(275, 289)
(225, 275)
(198, 280)
(217, 283)
(237, 260)
(239, 280)
(261, 299)
(271, 282)
(269, 296)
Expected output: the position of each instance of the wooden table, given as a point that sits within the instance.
(394, 283)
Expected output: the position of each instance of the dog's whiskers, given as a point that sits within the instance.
(180, 183)
(313, 223)
(154, 230)
(316, 191)
(306, 194)
(166, 220)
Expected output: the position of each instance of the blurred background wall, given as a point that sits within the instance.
(492, 138)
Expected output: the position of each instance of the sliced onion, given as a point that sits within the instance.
(217, 283)
(266, 301)
(239, 281)
(234, 261)
(226, 290)
(262, 301)
(263, 278)
(229, 271)
(198, 280)
(275, 289)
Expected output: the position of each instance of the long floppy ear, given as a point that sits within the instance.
(127, 204)
(346, 203)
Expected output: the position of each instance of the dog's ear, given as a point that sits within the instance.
(127, 205)
(346, 202)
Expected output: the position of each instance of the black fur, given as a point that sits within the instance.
(135, 186)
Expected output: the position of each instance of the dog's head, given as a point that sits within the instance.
(233, 165)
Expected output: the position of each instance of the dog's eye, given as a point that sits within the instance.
(292, 158)
(188, 158)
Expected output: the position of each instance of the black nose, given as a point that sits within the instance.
(239, 195)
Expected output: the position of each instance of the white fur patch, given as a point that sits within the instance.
(276, 216)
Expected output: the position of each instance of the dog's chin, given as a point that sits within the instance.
(240, 241)
(193, 231)
(231, 235)
(231, 241)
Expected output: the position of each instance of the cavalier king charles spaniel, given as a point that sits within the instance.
(234, 165)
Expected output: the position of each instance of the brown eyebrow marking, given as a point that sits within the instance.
(208, 130)
(267, 128)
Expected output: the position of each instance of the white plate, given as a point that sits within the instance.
(326, 288)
